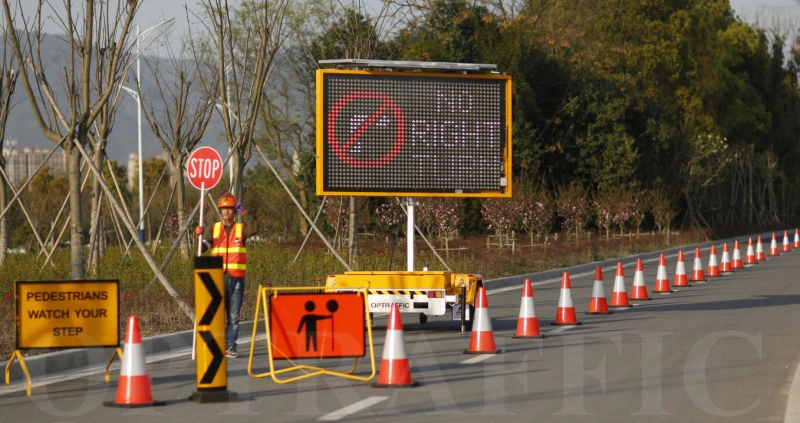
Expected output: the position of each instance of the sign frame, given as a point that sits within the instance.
(323, 126)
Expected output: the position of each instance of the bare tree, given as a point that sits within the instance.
(8, 81)
(68, 119)
(178, 115)
(245, 41)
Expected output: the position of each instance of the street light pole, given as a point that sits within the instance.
(139, 36)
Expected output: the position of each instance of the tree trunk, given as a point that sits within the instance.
(353, 247)
(181, 205)
(304, 227)
(94, 250)
(4, 219)
(77, 259)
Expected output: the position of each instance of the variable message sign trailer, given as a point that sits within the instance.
(423, 293)
(413, 129)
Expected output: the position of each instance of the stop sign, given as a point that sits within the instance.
(204, 168)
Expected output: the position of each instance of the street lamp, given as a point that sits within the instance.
(135, 95)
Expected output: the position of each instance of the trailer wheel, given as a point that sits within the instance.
(423, 318)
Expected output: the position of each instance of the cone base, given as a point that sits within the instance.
(621, 306)
(395, 385)
(641, 299)
(539, 336)
(483, 352)
(565, 323)
(600, 312)
(208, 396)
(151, 404)
(663, 292)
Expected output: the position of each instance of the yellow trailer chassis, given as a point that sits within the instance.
(423, 293)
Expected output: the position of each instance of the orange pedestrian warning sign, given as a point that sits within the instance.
(315, 325)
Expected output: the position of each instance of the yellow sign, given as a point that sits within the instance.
(209, 308)
(62, 314)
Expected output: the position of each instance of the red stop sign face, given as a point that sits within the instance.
(204, 168)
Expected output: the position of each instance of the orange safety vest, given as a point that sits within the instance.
(231, 248)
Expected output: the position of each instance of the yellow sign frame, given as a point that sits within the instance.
(262, 304)
(320, 141)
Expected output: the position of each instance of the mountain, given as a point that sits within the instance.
(123, 140)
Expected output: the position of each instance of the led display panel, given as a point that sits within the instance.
(413, 134)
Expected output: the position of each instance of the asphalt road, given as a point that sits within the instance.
(726, 350)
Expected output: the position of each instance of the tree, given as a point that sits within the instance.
(178, 115)
(68, 120)
(8, 82)
(243, 43)
(572, 206)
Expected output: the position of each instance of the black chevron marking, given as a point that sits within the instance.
(216, 299)
(213, 367)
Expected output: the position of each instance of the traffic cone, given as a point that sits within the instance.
(713, 266)
(481, 339)
(528, 323)
(773, 247)
(760, 250)
(796, 243)
(639, 290)
(750, 256)
(133, 388)
(395, 370)
(726, 266)
(680, 272)
(565, 314)
(736, 263)
(598, 304)
(662, 283)
(697, 271)
(619, 297)
(786, 246)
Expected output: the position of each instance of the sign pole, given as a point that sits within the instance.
(410, 234)
(202, 202)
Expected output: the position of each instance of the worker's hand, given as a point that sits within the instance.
(198, 231)
(239, 207)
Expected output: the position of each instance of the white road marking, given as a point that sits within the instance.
(562, 328)
(793, 405)
(352, 408)
(477, 359)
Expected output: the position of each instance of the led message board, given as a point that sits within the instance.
(413, 134)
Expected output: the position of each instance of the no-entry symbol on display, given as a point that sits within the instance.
(204, 168)
(342, 144)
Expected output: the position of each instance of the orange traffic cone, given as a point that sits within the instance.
(773, 247)
(598, 304)
(760, 250)
(680, 272)
(786, 246)
(713, 266)
(481, 339)
(796, 243)
(565, 313)
(528, 323)
(619, 296)
(639, 290)
(697, 271)
(395, 370)
(750, 256)
(736, 263)
(662, 283)
(133, 389)
(726, 266)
